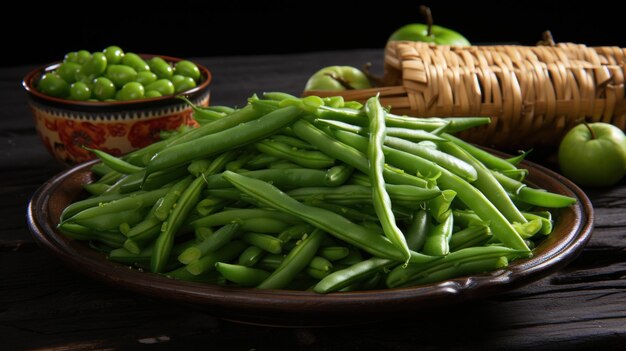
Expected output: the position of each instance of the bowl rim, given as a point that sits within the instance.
(29, 80)
(275, 307)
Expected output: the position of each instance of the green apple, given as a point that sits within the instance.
(338, 78)
(429, 33)
(593, 154)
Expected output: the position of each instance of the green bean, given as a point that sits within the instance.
(251, 256)
(304, 158)
(471, 196)
(516, 160)
(212, 144)
(111, 220)
(471, 236)
(82, 205)
(439, 206)
(519, 174)
(458, 263)
(278, 96)
(109, 178)
(467, 218)
(186, 202)
(319, 267)
(212, 243)
(450, 162)
(261, 161)
(197, 167)
(537, 197)
(115, 163)
(488, 184)
(163, 178)
(136, 201)
(182, 273)
(355, 273)
(348, 212)
(282, 164)
(209, 205)
(283, 178)
(338, 175)
(171, 197)
(323, 219)
(208, 261)
(292, 141)
(241, 275)
(76, 231)
(238, 164)
(357, 193)
(546, 220)
(296, 261)
(488, 159)
(238, 117)
(437, 241)
(529, 229)
(404, 133)
(96, 188)
(100, 169)
(263, 241)
(349, 155)
(334, 253)
(417, 230)
(230, 216)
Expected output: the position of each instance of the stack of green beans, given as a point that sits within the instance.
(313, 194)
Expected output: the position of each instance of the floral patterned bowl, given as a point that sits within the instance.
(117, 127)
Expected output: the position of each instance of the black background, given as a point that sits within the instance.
(192, 28)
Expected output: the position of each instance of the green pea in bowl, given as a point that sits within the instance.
(66, 126)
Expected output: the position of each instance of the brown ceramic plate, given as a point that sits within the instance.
(289, 308)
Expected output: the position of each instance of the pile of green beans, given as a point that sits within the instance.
(112, 75)
(313, 194)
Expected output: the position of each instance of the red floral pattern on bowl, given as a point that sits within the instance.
(117, 127)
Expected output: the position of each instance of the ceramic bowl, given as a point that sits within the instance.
(117, 127)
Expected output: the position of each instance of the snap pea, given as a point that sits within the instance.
(546, 220)
(439, 207)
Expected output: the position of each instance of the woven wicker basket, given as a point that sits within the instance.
(533, 94)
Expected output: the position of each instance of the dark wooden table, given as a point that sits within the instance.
(44, 304)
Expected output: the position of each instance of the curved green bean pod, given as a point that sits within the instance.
(537, 197)
(338, 175)
(207, 262)
(417, 230)
(115, 163)
(471, 196)
(489, 160)
(437, 241)
(241, 275)
(355, 273)
(475, 235)
(331, 222)
(296, 261)
(212, 243)
(349, 155)
(216, 143)
(458, 263)
(186, 202)
(304, 158)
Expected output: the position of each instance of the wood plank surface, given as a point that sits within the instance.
(46, 305)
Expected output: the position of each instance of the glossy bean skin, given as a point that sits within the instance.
(103, 88)
(187, 69)
(131, 91)
(163, 86)
(145, 77)
(161, 68)
(186, 83)
(52, 84)
(80, 91)
(135, 61)
(68, 70)
(120, 74)
(114, 54)
(94, 67)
